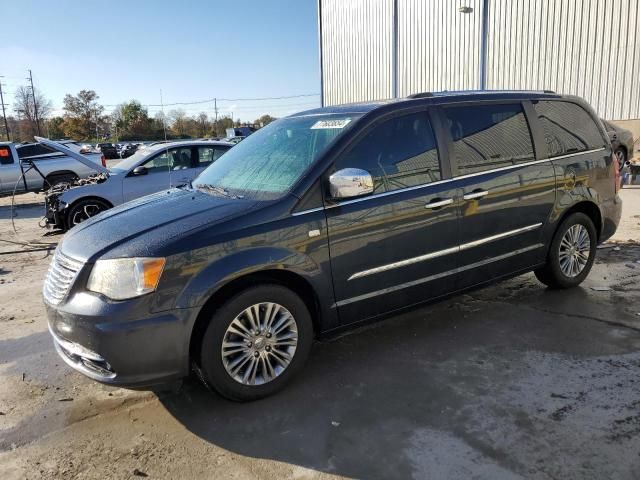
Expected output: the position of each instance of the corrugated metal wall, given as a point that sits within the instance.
(589, 48)
(434, 58)
(357, 50)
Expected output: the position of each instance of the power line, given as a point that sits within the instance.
(215, 99)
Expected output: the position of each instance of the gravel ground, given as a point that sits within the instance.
(509, 381)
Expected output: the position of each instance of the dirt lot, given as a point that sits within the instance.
(510, 381)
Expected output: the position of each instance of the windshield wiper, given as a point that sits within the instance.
(216, 190)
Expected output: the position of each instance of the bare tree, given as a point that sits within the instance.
(178, 119)
(203, 124)
(24, 105)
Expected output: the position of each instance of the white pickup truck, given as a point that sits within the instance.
(35, 167)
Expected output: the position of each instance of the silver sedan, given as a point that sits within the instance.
(148, 171)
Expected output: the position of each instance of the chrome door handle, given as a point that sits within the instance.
(474, 195)
(439, 203)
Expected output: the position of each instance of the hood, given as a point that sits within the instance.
(67, 151)
(144, 226)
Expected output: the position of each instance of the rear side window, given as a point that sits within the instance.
(207, 155)
(34, 150)
(399, 152)
(486, 137)
(568, 128)
(6, 157)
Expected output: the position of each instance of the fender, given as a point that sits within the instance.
(261, 259)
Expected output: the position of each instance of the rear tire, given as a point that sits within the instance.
(571, 254)
(242, 365)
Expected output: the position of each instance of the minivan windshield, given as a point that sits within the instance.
(267, 163)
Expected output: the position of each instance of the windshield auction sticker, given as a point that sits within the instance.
(340, 123)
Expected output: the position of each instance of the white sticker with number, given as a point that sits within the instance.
(340, 123)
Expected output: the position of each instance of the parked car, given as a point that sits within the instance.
(621, 141)
(327, 219)
(234, 139)
(128, 150)
(17, 162)
(150, 170)
(109, 150)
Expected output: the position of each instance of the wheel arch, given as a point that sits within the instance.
(590, 209)
(57, 173)
(286, 278)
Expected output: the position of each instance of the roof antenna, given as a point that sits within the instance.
(164, 127)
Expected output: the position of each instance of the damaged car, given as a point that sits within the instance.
(148, 171)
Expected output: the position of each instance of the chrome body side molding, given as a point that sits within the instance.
(446, 251)
(413, 283)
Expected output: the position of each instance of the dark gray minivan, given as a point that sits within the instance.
(327, 219)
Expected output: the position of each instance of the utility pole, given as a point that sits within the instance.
(215, 109)
(4, 114)
(35, 105)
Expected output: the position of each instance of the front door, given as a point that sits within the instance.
(507, 192)
(168, 168)
(396, 246)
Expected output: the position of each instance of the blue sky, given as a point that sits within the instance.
(192, 50)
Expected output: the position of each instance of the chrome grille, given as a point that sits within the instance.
(62, 272)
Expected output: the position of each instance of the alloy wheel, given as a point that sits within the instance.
(575, 249)
(87, 211)
(259, 344)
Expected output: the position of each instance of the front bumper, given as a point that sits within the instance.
(113, 343)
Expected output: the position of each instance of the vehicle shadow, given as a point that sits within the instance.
(22, 211)
(401, 396)
(348, 411)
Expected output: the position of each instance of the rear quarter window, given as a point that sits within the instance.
(568, 128)
(35, 150)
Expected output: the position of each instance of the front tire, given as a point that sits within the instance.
(256, 342)
(85, 209)
(571, 254)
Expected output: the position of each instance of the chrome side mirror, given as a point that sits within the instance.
(350, 182)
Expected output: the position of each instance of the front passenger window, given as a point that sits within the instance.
(398, 153)
(174, 159)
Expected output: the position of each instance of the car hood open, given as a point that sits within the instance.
(77, 156)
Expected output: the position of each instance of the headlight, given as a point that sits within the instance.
(123, 278)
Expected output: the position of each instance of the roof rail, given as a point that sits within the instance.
(420, 95)
(450, 92)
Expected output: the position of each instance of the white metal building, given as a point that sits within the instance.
(377, 49)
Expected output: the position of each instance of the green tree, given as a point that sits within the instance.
(264, 120)
(133, 122)
(55, 128)
(82, 115)
(220, 127)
